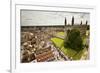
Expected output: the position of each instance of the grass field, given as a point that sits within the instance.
(67, 51)
(79, 54)
(60, 33)
(58, 42)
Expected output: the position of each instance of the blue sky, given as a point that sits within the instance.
(31, 17)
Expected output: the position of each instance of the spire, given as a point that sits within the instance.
(72, 20)
(86, 22)
(65, 21)
(81, 22)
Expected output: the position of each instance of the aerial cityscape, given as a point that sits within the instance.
(54, 36)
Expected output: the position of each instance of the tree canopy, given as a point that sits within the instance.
(73, 40)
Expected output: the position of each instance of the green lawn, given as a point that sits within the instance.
(68, 52)
(57, 41)
(79, 55)
(60, 33)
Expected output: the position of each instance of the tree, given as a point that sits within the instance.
(73, 40)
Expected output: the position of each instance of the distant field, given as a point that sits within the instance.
(60, 34)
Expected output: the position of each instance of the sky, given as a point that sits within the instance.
(32, 17)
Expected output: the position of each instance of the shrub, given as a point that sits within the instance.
(73, 40)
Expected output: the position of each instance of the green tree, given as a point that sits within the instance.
(73, 40)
